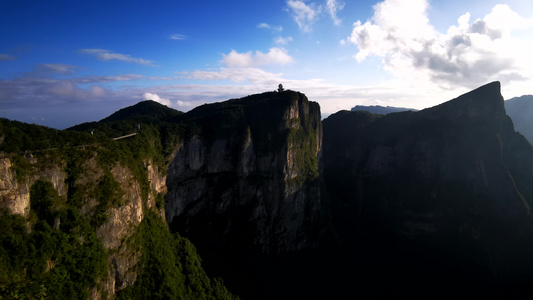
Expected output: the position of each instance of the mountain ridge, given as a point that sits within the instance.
(442, 188)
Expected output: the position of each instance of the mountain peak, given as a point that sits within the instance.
(483, 102)
(144, 109)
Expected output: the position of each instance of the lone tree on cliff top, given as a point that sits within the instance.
(280, 88)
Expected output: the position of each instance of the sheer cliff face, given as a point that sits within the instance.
(15, 192)
(252, 184)
(468, 142)
(444, 188)
(120, 222)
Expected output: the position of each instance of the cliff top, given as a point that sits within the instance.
(483, 102)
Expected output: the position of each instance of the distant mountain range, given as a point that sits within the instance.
(381, 110)
(520, 109)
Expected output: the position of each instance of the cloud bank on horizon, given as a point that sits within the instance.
(338, 53)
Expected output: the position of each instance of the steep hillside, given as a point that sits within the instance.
(82, 218)
(143, 111)
(436, 199)
(520, 109)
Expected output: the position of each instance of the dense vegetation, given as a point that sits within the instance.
(55, 253)
(57, 256)
(20, 137)
(171, 268)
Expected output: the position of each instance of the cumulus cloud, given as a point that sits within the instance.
(468, 54)
(282, 40)
(156, 98)
(105, 55)
(184, 104)
(178, 37)
(6, 57)
(333, 7)
(304, 15)
(275, 55)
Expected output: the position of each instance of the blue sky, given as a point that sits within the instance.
(67, 62)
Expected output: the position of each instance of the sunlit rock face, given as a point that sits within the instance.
(248, 180)
(15, 192)
(121, 221)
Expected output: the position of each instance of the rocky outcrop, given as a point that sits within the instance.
(13, 196)
(254, 180)
(15, 192)
(121, 221)
(245, 188)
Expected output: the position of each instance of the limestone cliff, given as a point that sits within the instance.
(121, 219)
(244, 186)
(15, 190)
(83, 214)
(249, 178)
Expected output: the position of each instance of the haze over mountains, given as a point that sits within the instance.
(277, 203)
(520, 109)
(381, 110)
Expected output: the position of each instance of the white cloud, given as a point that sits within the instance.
(467, 55)
(503, 20)
(304, 15)
(236, 59)
(68, 89)
(97, 79)
(333, 7)
(156, 98)
(6, 57)
(270, 27)
(178, 37)
(282, 40)
(162, 78)
(255, 76)
(275, 55)
(105, 55)
(184, 104)
(57, 68)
